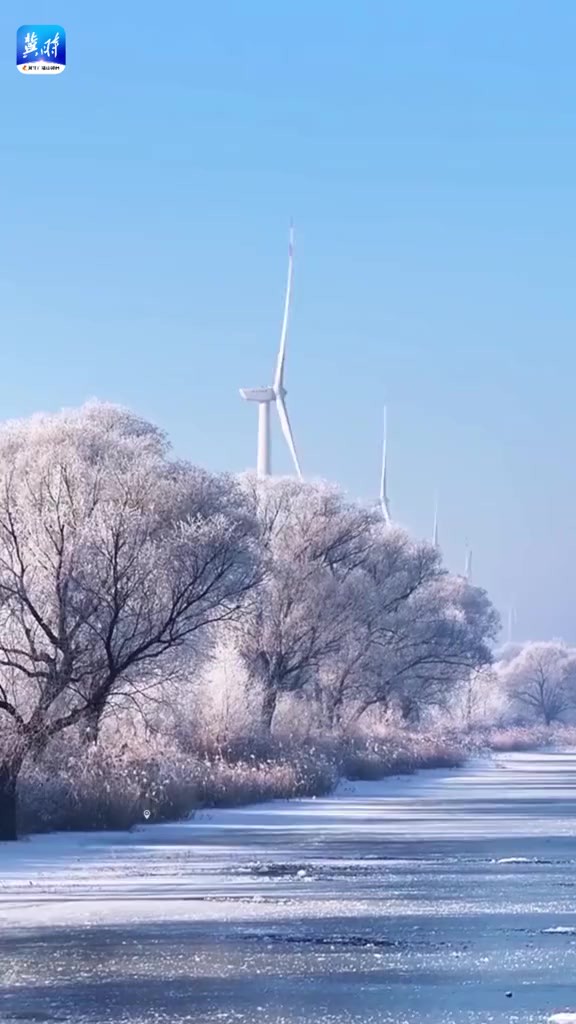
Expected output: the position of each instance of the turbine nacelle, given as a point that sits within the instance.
(258, 394)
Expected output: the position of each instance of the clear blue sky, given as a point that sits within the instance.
(427, 153)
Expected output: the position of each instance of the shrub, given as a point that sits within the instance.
(124, 781)
(528, 737)
(398, 752)
(84, 787)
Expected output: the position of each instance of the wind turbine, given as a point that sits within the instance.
(468, 567)
(276, 393)
(384, 501)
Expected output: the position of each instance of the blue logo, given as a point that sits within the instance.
(41, 49)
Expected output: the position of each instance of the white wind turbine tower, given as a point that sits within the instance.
(276, 393)
(384, 500)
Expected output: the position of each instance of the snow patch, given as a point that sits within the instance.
(514, 860)
(524, 860)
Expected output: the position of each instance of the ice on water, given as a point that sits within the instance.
(442, 898)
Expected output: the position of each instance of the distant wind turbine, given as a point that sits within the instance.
(276, 393)
(384, 500)
(468, 567)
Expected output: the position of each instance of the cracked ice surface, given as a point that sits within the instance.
(443, 898)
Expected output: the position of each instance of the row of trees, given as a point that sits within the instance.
(352, 614)
(121, 568)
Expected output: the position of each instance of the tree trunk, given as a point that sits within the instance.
(269, 702)
(329, 715)
(8, 780)
(93, 719)
(332, 712)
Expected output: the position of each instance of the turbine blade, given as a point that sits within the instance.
(468, 570)
(435, 527)
(385, 505)
(279, 375)
(383, 475)
(287, 431)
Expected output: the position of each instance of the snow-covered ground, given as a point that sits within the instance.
(443, 898)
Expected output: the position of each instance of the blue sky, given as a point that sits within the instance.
(427, 154)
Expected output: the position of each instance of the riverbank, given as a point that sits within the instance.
(116, 786)
(113, 786)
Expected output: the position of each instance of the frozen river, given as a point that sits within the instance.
(444, 898)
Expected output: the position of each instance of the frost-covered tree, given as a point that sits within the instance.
(353, 614)
(478, 702)
(385, 584)
(112, 556)
(426, 629)
(222, 704)
(454, 632)
(314, 541)
(541, 680)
